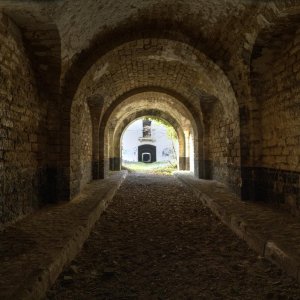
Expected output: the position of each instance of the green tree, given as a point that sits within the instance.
(171, 132)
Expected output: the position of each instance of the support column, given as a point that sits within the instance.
(63, 169)
(184, 163)
(95, 104)
(115, 164)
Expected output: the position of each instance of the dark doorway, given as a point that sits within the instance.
(147, 153)
(146, 157)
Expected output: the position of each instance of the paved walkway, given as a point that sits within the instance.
(34, 251)
(273, 233)
(157, 240)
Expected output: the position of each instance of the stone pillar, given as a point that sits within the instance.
(64, 168)
(95, 169)
(184, 163)
(95, 104)
(208, 169)
(115, 164)
(101, 168)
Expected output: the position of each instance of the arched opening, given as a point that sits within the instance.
(181, 77)
(151, 144)
(157, 105)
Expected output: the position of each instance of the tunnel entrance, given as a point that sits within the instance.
(157, 119)
(149, 145)
(147, 153)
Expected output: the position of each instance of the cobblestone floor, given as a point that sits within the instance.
(157, 241)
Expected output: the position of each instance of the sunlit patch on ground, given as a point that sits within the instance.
(161, 168)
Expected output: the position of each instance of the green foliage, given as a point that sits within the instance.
(171, 133)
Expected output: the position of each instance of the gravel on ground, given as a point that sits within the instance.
(157, 241)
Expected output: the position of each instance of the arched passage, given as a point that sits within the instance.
(154, 142)
(159, 104)
(176, 69)
(115, 155)
(231, 66)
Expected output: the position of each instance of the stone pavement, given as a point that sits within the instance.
(156, 240)
(274, 234)
(34, 250)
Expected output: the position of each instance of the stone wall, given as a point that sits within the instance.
(161, 65)
(223, 148)
(22, 128)
(81, 146)
(86, 21)
(206, 57)
(277, 91)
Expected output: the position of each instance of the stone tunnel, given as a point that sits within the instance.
(74, 74)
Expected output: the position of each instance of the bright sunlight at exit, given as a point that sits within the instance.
(150, 145)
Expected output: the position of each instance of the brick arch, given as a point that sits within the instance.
(98, 167)
(199, 82)
(104, 43)
(154, 102)
(157, 89)
(152, 98)
(124, 123)
(154, 62)
(147, 24)
(193, 116)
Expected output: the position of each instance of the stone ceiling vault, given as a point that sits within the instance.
(162, 64)
(152, 101)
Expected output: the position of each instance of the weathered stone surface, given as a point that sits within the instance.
(157, 240)
(259, 225)
(22, 127)
(226, 71)
(35, 249)
(81, 145)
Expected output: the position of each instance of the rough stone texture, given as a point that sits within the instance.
(276, 73)
(171, 67)
(223, 150)
(81, 145)
(35, 249)
(159, 63)
(94, 19)
(22, 128)
(259, 225)
(155, 104)
(233, 64)
(157, 241)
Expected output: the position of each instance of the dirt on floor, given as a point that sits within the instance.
(157, 241)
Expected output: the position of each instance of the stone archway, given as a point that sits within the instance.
(197, 82)
(155, 104)
(183, 155)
